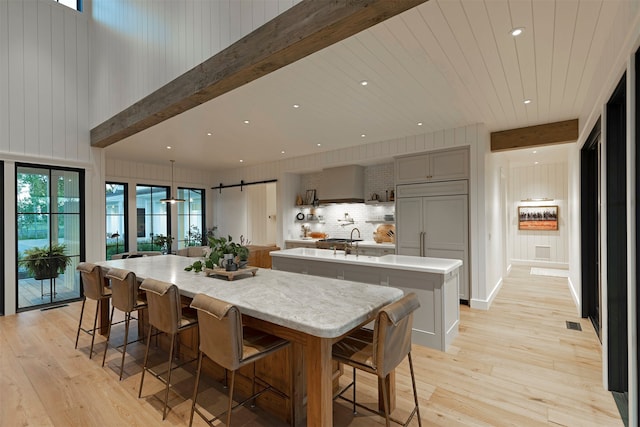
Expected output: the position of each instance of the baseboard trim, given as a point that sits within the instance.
(486, 304)
(539, 263)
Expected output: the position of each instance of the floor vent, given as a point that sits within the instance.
(574, 326)
(55, 306)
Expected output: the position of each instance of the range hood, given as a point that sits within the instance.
(344, 184)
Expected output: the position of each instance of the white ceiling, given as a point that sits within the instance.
(446, 63)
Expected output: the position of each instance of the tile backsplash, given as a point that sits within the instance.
(366, 217)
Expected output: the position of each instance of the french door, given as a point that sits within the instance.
(50, 234)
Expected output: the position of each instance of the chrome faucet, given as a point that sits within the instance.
(351, 240)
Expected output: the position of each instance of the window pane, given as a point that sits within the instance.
(190, 217)
(116, 199)
(152, 216)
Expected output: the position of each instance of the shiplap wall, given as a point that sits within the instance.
(533, 182)
(153, 42)
(44, 81)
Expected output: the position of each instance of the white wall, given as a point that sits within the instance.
(151, 42)
(535, 182)
(44, 119)
(496, 176)
(574, 221)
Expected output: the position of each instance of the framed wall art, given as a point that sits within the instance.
(538, 218)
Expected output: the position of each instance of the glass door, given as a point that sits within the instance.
(49, 230)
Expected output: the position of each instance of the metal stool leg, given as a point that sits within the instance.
(93, 332)
(166, 392)
(127, 319)
(354, 392)
(144, 365)
(80, 322)
(106, 345)
(415, 390)
(195, 389)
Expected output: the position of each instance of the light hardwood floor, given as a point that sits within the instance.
(516, 364)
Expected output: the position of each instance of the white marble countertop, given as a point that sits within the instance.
(362, 244)
(398, 262)
(319, 306)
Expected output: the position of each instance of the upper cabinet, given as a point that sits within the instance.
(434, 166)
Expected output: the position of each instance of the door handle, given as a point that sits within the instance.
(422, 233)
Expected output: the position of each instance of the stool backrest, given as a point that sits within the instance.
(221, 336)
(92, 279)
(392, 334)
(124, 289)
(165, 311)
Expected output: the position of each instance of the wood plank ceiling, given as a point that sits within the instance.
(445, 63)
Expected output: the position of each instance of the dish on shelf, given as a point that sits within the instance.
(317, 235)
(300, 216)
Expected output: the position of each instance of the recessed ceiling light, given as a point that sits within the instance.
(246, 122)
(208, 133)
(527, 101)
(241, 160)
(319, 145)
(364, 83)
(282, 152)
(515, 32)
(296, 105)
(169, 147)
(419, 123)
(535, 151)
(535, 163)
(363, 135)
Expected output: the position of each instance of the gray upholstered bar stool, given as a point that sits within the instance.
(380, 351)
(166, 314)
(126, 298)
(227, 343)
(94, 285)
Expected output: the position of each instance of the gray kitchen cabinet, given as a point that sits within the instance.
(433, 221)
(356, 273)
(369, 251)
(434, 166)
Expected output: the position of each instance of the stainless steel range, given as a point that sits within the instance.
(337, 243)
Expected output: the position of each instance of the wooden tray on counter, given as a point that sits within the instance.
(230, 275)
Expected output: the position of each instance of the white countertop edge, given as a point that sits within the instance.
(362, 244)
(278, 297)
(398, 262)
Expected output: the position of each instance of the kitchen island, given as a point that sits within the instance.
(311, 312)
(434, 280)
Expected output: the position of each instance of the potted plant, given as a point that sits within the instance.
(164, 242)
(46, 262)
(221, 246)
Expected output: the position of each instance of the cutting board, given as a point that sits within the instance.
(385, 233)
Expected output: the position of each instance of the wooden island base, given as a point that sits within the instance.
(284, 370)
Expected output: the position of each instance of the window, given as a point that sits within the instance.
(73, 4)
(152, 217)
(191, 218)
(50, 234)
(116, 218)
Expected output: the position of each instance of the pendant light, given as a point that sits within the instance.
(171, 199)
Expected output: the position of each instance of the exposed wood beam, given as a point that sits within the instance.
(307, 27)
(532, 136)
